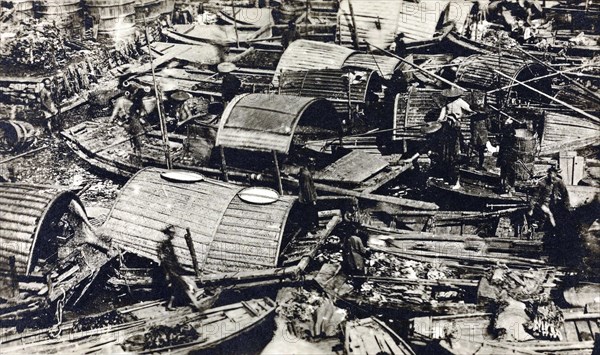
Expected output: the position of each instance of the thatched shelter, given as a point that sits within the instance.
(228, 233)
(35, 221)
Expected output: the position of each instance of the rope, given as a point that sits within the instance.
(530, 172)
(59, 316)
(375, 60)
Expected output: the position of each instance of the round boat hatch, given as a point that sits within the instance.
(182, 176)
(259, 195)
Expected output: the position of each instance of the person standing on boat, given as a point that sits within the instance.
(455, 105)
(307, 197)
(479, 136)
(230, 85)
(289, 35)
(170, 265)
(353, 254)
(135, 128)
(399, 45)
(48, 105)
(448, 149)
(551, 196)
(507, 157)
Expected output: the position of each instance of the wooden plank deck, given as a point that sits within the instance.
(354, 168)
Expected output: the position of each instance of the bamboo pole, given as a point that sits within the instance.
(377, 64)
(354, 31)
(367, 134)
(525, 81)
(432, 67)
(306, 16)
(421, 69)
(573, 81)
(190, 244)
(407, 281)
(398, 201)
(592, 117)
(223, 164)
(349, 101)
(235, 26)
(277, 173)
(540, 77)
(505, 114)
(161, 118)
(22, 155)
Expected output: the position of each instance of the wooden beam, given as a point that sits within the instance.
(407, 281)
(190, 244)
(223, 164)
(398, 201)
(354, 29)
(309, 27)
(576, 144)
(387, 177)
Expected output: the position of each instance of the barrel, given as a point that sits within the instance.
(151, 9)
(200, 142)
(23, 9)
(525, 149)
(18, 135)
(115, 18)
(167, 7)
(289, 10)
(65, 14)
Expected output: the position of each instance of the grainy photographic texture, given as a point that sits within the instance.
(300, 176)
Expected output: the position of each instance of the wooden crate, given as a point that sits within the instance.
(572, 166)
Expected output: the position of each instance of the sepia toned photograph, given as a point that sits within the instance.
(273, 177)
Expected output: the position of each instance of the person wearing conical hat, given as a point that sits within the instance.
(455, 105)
(230, 86)
(445, 153)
